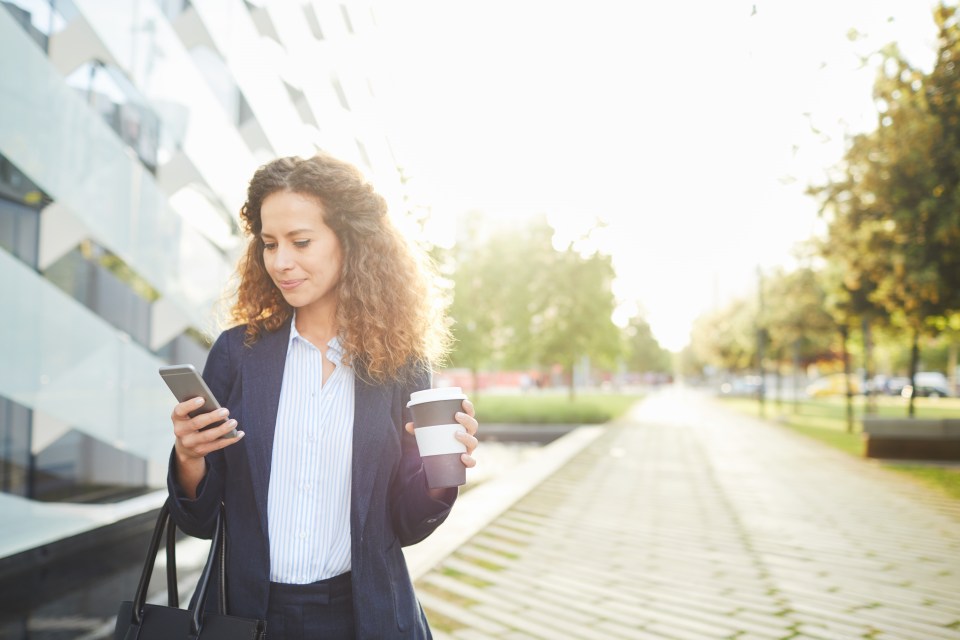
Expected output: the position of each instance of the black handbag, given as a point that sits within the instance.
(138, 620)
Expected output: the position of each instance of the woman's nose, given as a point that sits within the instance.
(284, 259)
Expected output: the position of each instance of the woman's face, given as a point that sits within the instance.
(302, 254)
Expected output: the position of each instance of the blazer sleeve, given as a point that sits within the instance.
(197, 516)
(415, 513)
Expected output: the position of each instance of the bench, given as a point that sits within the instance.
(912, 438)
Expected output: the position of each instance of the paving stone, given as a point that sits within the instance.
(672, 632)
(890, 621)
(713, 525)
(460, 614)
(522, 621)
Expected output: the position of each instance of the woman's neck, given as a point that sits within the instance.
(318, 328)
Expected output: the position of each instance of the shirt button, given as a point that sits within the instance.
(305, 486)
(303, 535)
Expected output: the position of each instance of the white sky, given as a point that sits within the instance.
(680, 124)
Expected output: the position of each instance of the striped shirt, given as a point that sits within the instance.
(308, 504)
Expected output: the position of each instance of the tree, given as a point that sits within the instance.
(798, 325)
(726, 338)
(643, 350)
(895, 209)
(520, 302)
(570, 307)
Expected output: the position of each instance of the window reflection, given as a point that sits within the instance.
(121, 106)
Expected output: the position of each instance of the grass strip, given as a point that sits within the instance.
(947, 479)
(552, 408)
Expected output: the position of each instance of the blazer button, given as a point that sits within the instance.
(431, 520)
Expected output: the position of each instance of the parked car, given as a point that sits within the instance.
(895, 385)
(929, 384)
(833, 384)
(741, 386)
(886, 385)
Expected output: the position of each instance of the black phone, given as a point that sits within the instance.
(186, 383)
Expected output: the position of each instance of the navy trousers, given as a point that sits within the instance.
(305, 611)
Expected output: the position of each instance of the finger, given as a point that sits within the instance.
(220, 443)
(222, 430)
(182, 410)
(206, 419)
(409, 427)
(468, 422)
(468, 461)
(192, 438)
(468, 408)
(468, 440)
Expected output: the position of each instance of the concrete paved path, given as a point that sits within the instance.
(689, 521)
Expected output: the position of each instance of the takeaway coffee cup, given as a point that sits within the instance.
(434, 426)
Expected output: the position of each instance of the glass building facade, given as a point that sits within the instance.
(128, 132)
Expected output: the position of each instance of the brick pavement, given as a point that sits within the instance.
(688, 521)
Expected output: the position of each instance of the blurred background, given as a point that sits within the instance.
(759, 199)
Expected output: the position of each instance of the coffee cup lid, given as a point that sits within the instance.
(433, 395)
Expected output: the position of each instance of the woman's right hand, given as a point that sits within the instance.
(192, 444)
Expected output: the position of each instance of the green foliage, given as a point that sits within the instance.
(553, 409)
(795, 315)
(520, 302)
(893, 210)
(643, 350)
(727, 337)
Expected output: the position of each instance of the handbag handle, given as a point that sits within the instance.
(217, 551)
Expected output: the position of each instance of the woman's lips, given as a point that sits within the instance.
(287, 285)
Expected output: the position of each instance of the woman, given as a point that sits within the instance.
(334, 329)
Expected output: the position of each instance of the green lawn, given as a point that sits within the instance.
(552, 408)
(825, 420)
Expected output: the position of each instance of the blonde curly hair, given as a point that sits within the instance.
(387, 316)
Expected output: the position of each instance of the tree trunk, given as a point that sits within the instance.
(844, 334)
(871, 399)
(914, 364)
(779, 379)
(762, 387)
(952, 367)
(796, 376)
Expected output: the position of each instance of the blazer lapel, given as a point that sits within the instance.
(371, 421)
(261, 379)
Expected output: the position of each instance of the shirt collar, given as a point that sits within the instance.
(334, 348)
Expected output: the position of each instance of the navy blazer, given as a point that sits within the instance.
(390, 505)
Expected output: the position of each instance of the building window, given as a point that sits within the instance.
(106, 285)
(363, 154)
(346, 17)
(107, 90)
(20, 204)
(341, 96)
(38, 18)
(312, 21)
(16, 459)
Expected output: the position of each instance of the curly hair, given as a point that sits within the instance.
(387, 318)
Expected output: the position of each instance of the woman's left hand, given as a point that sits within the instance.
(468, 420)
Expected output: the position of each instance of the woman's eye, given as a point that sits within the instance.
(300, 244)
(269, 246)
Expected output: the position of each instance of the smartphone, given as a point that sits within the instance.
(186, 383)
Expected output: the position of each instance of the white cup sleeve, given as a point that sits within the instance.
(439, 439)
